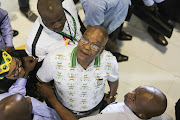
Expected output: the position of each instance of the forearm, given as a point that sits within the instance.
(63, 113)
(113, 87)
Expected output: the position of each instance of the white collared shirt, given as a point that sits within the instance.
(50, 40)
(76, 88)
(119, 111)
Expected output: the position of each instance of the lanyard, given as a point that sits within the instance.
(65, 34)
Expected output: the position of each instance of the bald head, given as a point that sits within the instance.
(48, 8)
(91, 45)
(100, 32)
(52, 14)
(15, 107)
(149, 102)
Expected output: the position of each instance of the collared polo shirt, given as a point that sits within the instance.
(50, 40)
(76, 88)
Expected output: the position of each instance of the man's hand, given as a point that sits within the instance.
(29, 63)
(45, 90)
(153, 7)
(8, 49)
(108, 99)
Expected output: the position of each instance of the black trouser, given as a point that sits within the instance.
(177, 110)
(23, 5)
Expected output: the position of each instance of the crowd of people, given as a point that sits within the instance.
(67, 66)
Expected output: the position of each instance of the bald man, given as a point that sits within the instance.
(14, 106)
(145, 102)
(80, 73)
(56, 26)
(21, 107)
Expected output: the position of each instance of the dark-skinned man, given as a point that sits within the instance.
(56, 26)
(14, 106)
(80, 73)
(111, 15)
(145, 102)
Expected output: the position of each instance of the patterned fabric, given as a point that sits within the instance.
(5, 64)
(76, 88)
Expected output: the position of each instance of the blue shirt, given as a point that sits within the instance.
(6, 35)
(40, 111)
(111, 13)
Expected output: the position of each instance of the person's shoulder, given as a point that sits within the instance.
(92, 2)
(113, 108)
(63, 50)
(108, 56)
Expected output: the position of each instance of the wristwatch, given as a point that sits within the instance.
(113, 96)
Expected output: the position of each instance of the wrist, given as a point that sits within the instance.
(52, 99)
(112, 96)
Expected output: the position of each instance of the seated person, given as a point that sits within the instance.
(14, 66)
(6, 32)
(14, 105)
(80, 72)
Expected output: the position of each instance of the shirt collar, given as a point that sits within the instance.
(73, 58)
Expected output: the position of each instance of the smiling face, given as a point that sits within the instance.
(16, 69)
(91, 44)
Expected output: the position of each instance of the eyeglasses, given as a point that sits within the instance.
(93, 46)
(16, 72)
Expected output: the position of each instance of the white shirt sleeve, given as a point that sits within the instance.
(114, 74)
(45, 72)
(151, 2)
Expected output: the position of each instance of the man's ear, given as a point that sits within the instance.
(142, 116)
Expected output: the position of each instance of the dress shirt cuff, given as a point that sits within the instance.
(148, 2)
(21, 82)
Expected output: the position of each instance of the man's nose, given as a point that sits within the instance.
(87, 46)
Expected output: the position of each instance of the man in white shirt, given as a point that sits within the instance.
(56, 26)
(145, 102)
(80, 72)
